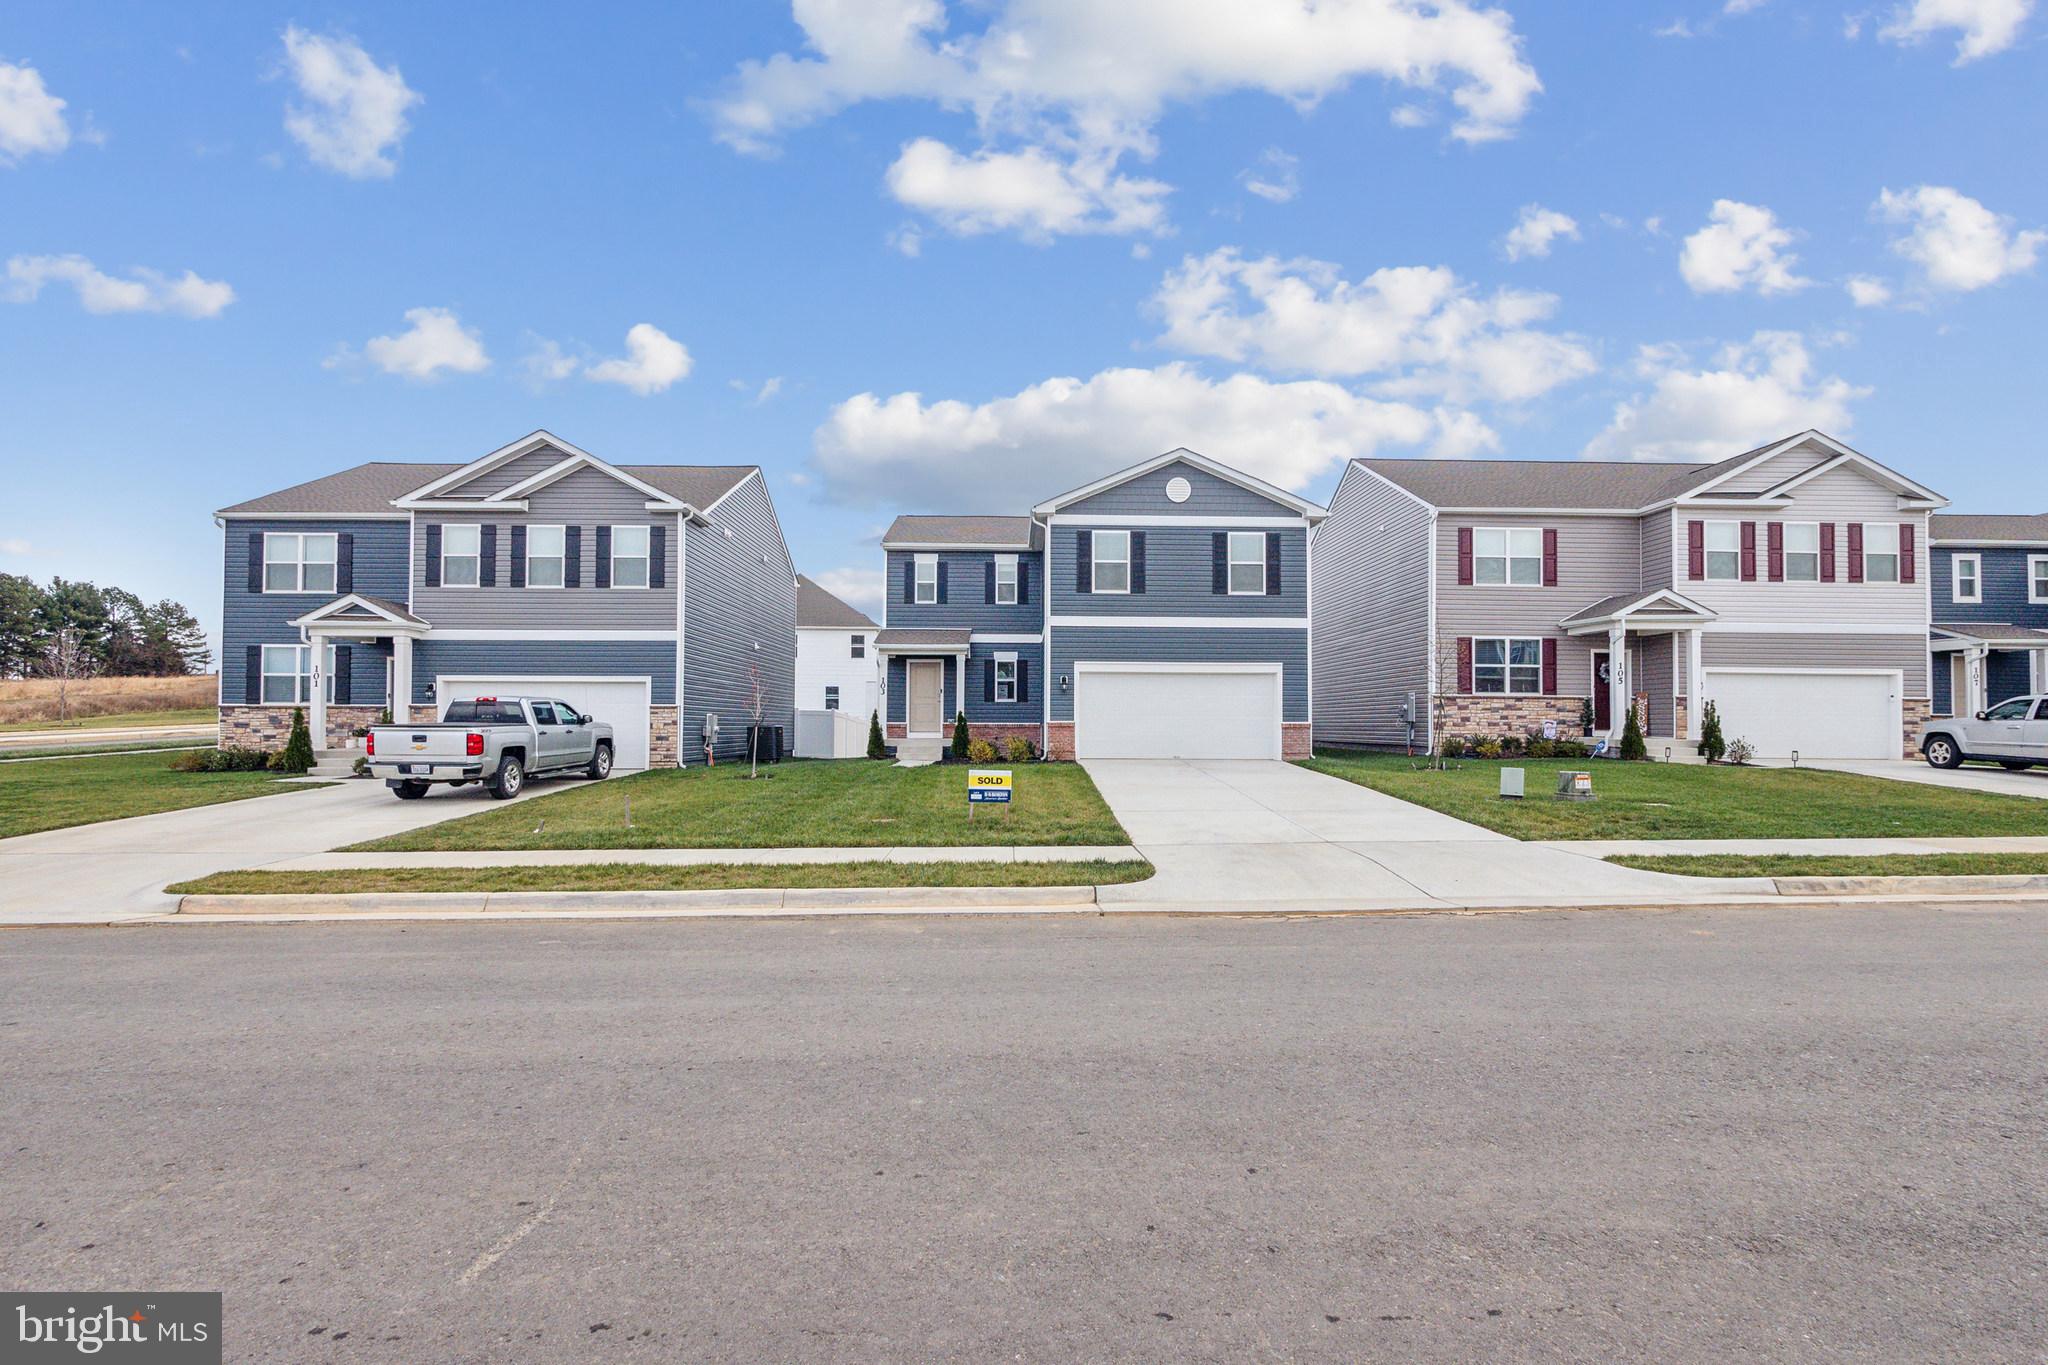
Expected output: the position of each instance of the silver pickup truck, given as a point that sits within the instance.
(498, 741)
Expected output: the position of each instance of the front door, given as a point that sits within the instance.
(1603, 694)
(926, 677)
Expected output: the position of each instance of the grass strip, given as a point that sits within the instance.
(657, 877)
(1842, 865)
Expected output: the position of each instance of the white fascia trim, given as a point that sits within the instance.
(1199, 461)
(1120, 666)
(977, 638)
(1898, 673)
(1369, 472)
(1192, 523)
(457, 505)
(224, 517)
(523, 678)
(937, 546)
(1808, 628)
(592, 636)
(1185, 622)
(504, 454)
(2001, 544)
(583, 460)
(755, 473)
(1895, 481)
(349, 602)
(1769, 452)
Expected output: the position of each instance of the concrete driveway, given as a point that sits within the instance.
(1233, 835)
(119, 868)
(1972, 776)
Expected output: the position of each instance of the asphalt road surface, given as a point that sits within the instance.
(1796, 1134)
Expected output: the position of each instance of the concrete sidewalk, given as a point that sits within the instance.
(45, 739)
(1611, 848)
(1971, 777)
(694, 857)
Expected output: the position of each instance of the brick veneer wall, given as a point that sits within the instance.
(998, 735)
(1495, 716)
(1917, 711)
(1059, 740)
(268, 727)
(664, 731)
(1295, 741)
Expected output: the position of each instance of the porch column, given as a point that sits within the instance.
(1975, 673)
(1618, 694)
(317, 710)
(1695, 684)
(401, 679)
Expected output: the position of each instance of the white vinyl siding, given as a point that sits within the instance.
(544, 556)
(1802, 551)
(831, 698)
(1111, 569)
(1724, 551)
(1881, 552)
(1006, 580)
(293, 562)
(629, 556)
(461, 554)
(1507, 555)
(1247, 563)
(1508, 666)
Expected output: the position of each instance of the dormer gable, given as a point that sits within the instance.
(1173, 481)
(506, 476)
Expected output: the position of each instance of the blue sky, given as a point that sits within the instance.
(913, 257)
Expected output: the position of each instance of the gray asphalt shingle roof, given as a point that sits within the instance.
(1586, 485)
(1970, 526)
(817, 609)
(1010, 532)
(371, 488)
(922, 639)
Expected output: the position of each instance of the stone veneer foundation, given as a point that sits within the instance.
(1917, 711)
(1491, 717)
(664, 729)
(269, 727)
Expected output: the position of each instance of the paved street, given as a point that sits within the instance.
(1798, 1134)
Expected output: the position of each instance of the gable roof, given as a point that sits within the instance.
(962, 533)
(370, 490)
(817, 609)
(1961, 528)
(1199, 461)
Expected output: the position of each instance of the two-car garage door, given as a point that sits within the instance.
(1819, 713)
(1172, 711)
(622, 703)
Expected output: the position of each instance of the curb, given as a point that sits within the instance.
(824, 899)
(1893, 886)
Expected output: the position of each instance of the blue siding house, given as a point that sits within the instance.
(1989, 632)
(658, 598)
(1160, 612)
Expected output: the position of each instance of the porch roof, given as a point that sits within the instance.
(361, 614)
(1661, 609)
(1969, 634)
(922, 641)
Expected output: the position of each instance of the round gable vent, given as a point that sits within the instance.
(1178, 489)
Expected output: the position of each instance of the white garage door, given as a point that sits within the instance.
(1820, 714)
(1123, 711)
(621, 704)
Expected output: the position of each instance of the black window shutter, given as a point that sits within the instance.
(1023, 680)
(604, 557)
(1272, 563)
(345, 562)
(1219, 563)
(988, 679)
(910, 579)
(433, 578)
(942, 580)
(572, 556)
(518, 565)
(252, 674)
(487, 567)
(990, 584)
(344, 673)
(1084, 561)
(657, 557)
(1137, 561)
(255, 561)
(1023, 581)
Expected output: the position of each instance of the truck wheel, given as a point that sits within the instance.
(511, 778)
(600, 764)
(1941, 752)
(409, 791)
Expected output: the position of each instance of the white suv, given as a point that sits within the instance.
(2013, 733)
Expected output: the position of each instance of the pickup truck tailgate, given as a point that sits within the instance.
(436, 743)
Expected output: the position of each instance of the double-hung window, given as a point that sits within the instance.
(545, 548)
(1507, 555)
(1247, 563)
(288, 676)
(1006, 580)
(1006, 677)
(1881, 552)
(927, 581)
(2037, 579)
(859, 644)
(631, 553)
(298, 563)
(1802, 551)
(1511, 667)
(1111, 570)
(831, 699)
(1724, 551)
(461, 554)
(1968, 582)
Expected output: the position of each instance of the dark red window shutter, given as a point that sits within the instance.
(1550, 556)
(1855, 552)
(1777, 551)
(1749, 552)
(1827, 552)
(1465, 558)
(1696, 550)
(1549, 666)
(1907, 569)
(1464, 663)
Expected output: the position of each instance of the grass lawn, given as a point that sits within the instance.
(1682, 801)
(126, 720)
(101, 746)
(848, 803)
(650, 877)
(1844, 865)
(40, 796)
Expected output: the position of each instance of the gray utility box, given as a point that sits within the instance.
(1511, 780)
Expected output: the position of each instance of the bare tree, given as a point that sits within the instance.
(1443, 689)
(66, 659)
(757, 707)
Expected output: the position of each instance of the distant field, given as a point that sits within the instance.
(31, 703)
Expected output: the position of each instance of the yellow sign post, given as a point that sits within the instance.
(988, 786)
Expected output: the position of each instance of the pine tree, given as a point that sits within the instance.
(298, 750)
(1633, 749)
(877, 748)
(1713, 745)
(960, 737)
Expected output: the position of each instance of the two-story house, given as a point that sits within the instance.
(650, 596)
(1990, 604)
(838, 667)
(1161, 612)
(1787, 585)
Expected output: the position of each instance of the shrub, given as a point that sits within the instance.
(1633, 750)
(960, 736)
(1740, 751)
(1569, 748)
(1487, 748)
(1018, 749)
(981, 751)
(1586, 716)
(298, 750)
(222, 761)
(1712, 745)
(1511, 746)
(877, 748)
(1538, 747)
(1452, 747)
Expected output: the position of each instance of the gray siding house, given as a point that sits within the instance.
(1990, 623)
(653, 597)
(1159, 612)
(1787, 585)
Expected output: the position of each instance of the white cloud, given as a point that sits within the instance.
(1032, 192)
(859, 588)
(1277, 177)
(1743, 6)
(1958, 243)
(653, 361)
(1081, 84)
(1535, 230)
(770, 386)
(1416, 329)
(15, 545)
(436, 341)
(31, 118)
(1063, 432)
(1983, 27)
(546, 362)
(144, 291)
(1742, 247)
(355, 114)
(1867, 291)
(1747, 393)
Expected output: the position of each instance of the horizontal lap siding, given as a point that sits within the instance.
(1733, 649)
(1371, 571)
(505, 475)
(1208, 496)
(1659, 533)
(1777, 469)
(966, 603)
(1655, 658)
(655, 659)
(589, 499)
(1944, 676)
(1111, 644)
(1028, 712)
(264, 618)
(2007, 673)
(1179, 576)
(2004, 573)
(739, 613)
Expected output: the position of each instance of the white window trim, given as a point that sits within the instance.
(1707, 553)
(1788, 551)
(831, 696)
(1011, 562)
(647, 559)
(1096, 560)
(1894, 553)
(478, 556)
(1507, 557)
(856, 646)
(1955, 578)
(2036, 579)
(1231, 561)
(302, 689)
(299, 564)
(531, 557)
(1507, 668)
(918, 565)
(1011, 660)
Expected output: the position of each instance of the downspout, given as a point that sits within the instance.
(1046, 683)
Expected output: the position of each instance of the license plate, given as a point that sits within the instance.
(415, 767)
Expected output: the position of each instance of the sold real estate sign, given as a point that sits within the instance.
(988, 784)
